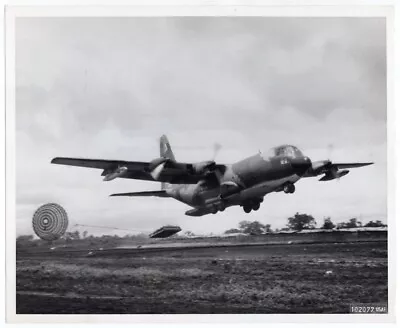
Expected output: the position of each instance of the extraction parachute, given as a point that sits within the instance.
(50, 222)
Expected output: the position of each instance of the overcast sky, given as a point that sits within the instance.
(109, 87)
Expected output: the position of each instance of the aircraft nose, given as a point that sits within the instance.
(300, 165)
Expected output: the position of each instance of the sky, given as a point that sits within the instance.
(108, 88)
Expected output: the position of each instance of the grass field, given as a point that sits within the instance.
(262, 279)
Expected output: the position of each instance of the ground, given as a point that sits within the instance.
(294, 278)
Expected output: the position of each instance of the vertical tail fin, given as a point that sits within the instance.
(165, 148)
(166, 152)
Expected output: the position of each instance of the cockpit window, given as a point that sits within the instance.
(287, 151)
(270, 153)
(280, 151)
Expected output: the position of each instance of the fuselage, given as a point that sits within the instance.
(252, 177)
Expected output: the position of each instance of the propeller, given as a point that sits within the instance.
(217, 148)
(155, 173)
(338, 178)
(159, 167)
(331, 172)
(330, 149)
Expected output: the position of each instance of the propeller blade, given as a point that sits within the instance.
(330, 149)
(157, 171)
(217, 148)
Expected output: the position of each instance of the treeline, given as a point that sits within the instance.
(77, 239)
(299, 222)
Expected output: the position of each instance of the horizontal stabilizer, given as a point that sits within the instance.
(156, 193)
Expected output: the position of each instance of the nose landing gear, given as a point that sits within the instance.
(289, 188)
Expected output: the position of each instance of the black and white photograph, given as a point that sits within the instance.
(201, 164)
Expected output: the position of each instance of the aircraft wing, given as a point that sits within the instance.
(350, 165)
(98, 163)
(167, 170)
(332, 170)
(156, 193)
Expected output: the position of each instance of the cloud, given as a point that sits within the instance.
(109, 87)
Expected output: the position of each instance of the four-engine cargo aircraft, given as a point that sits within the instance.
(209, 187)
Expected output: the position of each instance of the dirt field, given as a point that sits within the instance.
(319, 278)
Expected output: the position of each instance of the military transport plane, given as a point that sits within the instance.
(209, 187)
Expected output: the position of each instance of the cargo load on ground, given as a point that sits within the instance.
(164, 232)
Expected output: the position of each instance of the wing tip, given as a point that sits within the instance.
(58, 160)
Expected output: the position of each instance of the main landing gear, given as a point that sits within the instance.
(219, 208)
(289, 188)
(252, 206)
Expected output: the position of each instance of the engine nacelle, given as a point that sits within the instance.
(334, 175)
(203, 167)
(156, 167)
(157, 162)
(115, 174)
(318, 167)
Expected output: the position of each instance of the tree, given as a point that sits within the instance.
(24, 241)
(341, 225)
(301, 221)
(232, 231)
(243, 225)
(72, 235)
(377, 223)
(328, 224)
(251, 228)
(188, 234)
(352, 223)
(85, 233)
(24, 238)
(76, 234)
(267, 228)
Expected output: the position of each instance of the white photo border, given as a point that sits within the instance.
(213, 8)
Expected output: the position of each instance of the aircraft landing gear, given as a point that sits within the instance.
(289, 188)
(247, 208)
(218, 208)
(252, 206)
